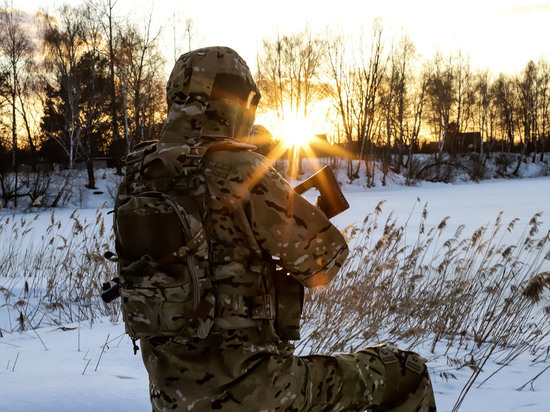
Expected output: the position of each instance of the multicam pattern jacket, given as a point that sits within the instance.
(226, 275)
(254, 223)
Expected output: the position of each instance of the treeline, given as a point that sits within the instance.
(388, 103)
(76, 85)
(88, 81)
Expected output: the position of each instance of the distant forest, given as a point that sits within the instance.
(88, 82)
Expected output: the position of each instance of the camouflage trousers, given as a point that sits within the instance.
(190, 376)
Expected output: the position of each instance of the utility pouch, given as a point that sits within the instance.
(289, 299)
(159, 300)
(166, 290)
(147, 225)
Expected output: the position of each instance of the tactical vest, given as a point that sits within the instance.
(167, 263)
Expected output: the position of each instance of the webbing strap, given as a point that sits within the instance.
(255, 307)
(189, 248)
(413, 370)
(398, 386)
(393, 374)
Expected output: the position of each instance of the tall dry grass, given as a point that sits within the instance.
(53, 276)
(471, 298)
(477, 295)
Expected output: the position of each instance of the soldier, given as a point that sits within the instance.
(233, 358)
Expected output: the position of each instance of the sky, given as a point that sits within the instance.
(499, 35)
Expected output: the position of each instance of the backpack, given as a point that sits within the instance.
(161, 243)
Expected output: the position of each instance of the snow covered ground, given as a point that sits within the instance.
(91, 367)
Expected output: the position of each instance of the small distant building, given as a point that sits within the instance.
(462, 142)
(454, 143)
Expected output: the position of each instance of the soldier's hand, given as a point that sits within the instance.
(321, 204)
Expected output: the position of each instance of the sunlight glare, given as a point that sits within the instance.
(297, 131)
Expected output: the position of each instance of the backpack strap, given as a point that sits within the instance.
(191, 247)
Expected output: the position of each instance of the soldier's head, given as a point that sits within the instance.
(211, 92)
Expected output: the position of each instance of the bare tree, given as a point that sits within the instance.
(405, 78)
(483, 102)
(139, 63)
(63, 44)
(184, 32)
(30, 108)
(442, 98)
(78, 85)
(544, 105)
(505, 99)
(288, 72)
(396, 102)
(344, 93)
(464, 99)
(388, 98)
(528, 91)
(371, 72)
(105, 15)
(410, 85)
(357, 78)
(414, 124)
(533, 87)
(15, 45)
(288, 75)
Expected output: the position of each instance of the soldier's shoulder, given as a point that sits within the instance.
(237, 159)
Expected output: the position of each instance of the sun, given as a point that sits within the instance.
(292, 130)
(297, 131)
(296, 137)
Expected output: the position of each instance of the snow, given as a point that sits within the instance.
(64, 377)
(471, 204)
(72, 368)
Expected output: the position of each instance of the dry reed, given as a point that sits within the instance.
(476, 295)
(54, 277)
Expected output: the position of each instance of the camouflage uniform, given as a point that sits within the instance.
(255, 223)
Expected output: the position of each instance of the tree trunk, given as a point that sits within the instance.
(90, 170)
(32, 146)
(114, 114)
(14, 135)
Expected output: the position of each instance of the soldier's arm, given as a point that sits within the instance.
(294, 231)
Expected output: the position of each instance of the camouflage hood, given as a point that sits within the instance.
(210, 93)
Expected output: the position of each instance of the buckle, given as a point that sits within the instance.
(262, 307)
(387, 356)
(414, 363)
